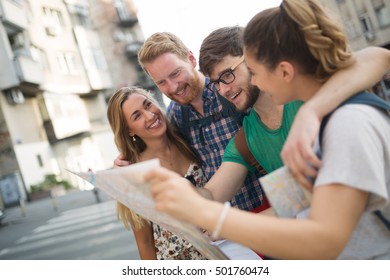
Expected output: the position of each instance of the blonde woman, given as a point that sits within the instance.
(143, 132)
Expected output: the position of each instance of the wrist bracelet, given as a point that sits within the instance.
(220, 221)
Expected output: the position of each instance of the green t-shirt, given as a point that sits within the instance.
(265, 144)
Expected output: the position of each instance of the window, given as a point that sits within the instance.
(39, 56)
(383, 15)
(79, 15)
(100, 60)
(40, 162)
(368, 30)
(16, 40)
(53, 21)
(366, 23)
(122, 10)
(67, 63)
(18, 44)
(350, 29)
(94, 59)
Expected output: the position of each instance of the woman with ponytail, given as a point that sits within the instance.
(291, 51)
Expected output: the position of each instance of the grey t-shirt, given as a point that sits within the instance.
(356, 152)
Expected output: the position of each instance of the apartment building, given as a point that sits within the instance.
(366, 23)
(58, 67)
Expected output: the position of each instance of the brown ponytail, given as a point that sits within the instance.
(301, 32)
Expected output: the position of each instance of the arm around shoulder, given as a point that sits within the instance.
(369, 66)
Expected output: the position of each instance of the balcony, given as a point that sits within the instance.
(132, 49)
(127, 22)
(67, 116)
(126, 17)
(29, 73)
(99, 80)
(21, 72)
(93, 58)
(145, 81)
(13, 16)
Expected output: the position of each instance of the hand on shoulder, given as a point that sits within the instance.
(297, 153)
(121, 162)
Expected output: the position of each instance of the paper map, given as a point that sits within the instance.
(127, 186)
(285, 194)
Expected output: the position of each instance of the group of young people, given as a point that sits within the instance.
(269, 84)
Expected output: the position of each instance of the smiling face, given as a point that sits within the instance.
(176, 78)
(239, 92)
(143, 117)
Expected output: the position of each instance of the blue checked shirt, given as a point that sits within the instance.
(209, 142)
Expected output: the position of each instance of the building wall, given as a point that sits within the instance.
(25, 122)
(59, 41)
(366, 22)
(29, 149)
(35, 161)
(105, 23)
(56, 119)
(8, 162)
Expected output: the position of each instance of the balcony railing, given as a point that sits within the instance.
(132, 49)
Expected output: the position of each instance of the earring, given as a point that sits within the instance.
(134, 139)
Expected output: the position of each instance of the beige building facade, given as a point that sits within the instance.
(366, 23)
(60, 62)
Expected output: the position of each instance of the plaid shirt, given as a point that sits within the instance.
(210, 141)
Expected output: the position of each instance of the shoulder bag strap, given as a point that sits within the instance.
(243, 149)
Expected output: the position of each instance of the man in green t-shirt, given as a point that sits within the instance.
(221, 58)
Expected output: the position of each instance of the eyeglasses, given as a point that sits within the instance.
(227, 77)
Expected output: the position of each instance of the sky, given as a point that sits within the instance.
(193, 20)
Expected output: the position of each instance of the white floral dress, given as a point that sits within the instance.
(168, 245)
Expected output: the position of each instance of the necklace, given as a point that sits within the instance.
(168, 161)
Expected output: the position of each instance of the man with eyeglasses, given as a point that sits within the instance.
(221, 58)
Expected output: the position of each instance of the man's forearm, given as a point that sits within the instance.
(368, 68)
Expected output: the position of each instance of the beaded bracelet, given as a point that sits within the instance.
(220, 221)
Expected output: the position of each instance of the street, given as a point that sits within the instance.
(71, 227)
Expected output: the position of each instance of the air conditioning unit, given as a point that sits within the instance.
(52, 30)
(14, 96)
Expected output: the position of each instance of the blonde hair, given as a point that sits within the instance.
(131, 150)
(160, 43)
(299, 31)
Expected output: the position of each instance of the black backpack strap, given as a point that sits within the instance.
(380, 216)
(360, 98)
(228, 109)
(184, 126)
(367, 99)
